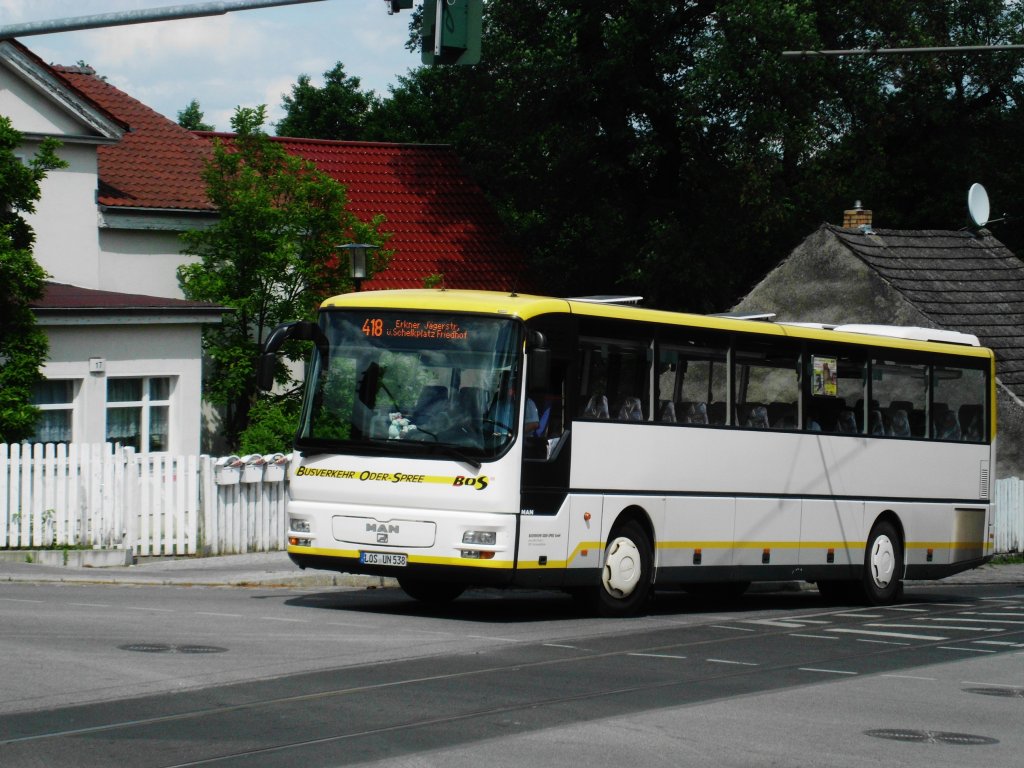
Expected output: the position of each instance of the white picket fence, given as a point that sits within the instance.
(1009, 515)
(113, 498)
(108, 497)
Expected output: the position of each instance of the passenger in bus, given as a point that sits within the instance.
(597, 408)
(631, 410)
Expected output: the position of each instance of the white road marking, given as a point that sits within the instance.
(938, 626)
(656, 655)
(876, 633)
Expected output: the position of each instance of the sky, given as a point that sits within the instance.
(243, 58)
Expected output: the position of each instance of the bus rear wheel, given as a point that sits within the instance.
(432, 592)
(626, 575)
(881, 582)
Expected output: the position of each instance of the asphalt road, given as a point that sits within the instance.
(171, 676)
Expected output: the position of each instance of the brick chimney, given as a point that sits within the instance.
(856, 217)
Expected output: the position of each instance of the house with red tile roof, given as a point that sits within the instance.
(125, 362)
(108, 232)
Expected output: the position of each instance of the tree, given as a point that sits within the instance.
(23, 345)
(339, 110)
(668, 149)
(270, 258)
(191, 118)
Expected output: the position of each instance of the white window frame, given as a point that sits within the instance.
(145, 405)
(70, 406)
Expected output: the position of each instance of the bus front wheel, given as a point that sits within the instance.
(626, 575)
(883, 565)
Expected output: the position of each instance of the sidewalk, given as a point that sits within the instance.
(274, 569)
(261, 569)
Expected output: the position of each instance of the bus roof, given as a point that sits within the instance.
(526, 306)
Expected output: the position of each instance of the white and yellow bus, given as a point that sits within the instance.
(461, 438)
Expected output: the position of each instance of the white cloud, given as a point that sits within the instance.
(242, 58)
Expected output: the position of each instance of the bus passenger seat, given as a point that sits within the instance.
(899, 424)
(946, 426)
(758, 417)
(597, 408)
(668, 412)
(431, 400)
(971, 422)
(716, 413)
(697, 413)
(631, 410)
(847, 422)
(877, 424)
(782, 415)
(473, 403)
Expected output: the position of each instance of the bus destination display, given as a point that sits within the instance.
(414, 329)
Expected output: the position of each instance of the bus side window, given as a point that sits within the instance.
(767, 384)
(902, 390)
(958, 397)
(692, 380)
(613, 373)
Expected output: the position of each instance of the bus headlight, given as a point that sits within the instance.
(299, 526)
(480, 538)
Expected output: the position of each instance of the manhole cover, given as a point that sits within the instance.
(1009, 693)
(931, 737)
(165, 648)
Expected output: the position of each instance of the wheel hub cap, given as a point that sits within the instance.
(883, 561)
(622, 568)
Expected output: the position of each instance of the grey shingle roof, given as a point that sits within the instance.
(958, 280)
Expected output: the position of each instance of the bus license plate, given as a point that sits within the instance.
(382, 558)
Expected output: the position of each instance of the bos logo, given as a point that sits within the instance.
(477, 483)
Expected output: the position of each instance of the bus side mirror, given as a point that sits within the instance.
(265, 366)
(300, 330)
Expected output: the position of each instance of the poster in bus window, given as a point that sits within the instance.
(823, 376)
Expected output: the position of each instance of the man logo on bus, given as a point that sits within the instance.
(382, 527)
(479, 483)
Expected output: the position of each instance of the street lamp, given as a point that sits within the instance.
(357, 260)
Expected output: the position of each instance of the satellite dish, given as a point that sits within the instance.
(977, 205)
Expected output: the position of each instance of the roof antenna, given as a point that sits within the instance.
(978, 208)
(977, 205)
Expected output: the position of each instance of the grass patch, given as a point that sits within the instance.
(1014, 558)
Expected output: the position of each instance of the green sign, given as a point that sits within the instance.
(450, 31)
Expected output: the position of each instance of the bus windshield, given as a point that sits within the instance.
(410, 382)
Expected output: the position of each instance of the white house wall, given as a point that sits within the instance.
(129, 351)
(69, 250)
(31, 112)
(146, 262)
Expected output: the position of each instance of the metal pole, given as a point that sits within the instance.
(898, 51)
(123, 18)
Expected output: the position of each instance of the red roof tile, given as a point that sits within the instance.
(440, 220)
(158, 164)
